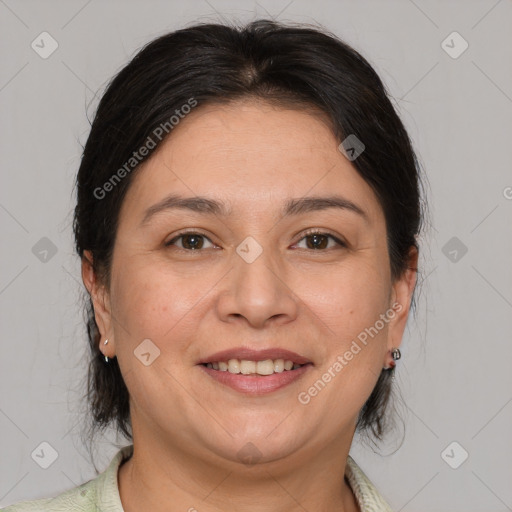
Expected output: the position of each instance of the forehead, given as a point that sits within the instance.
(251, 156)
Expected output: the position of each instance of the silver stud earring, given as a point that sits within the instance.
(396, 355)
(104, 343)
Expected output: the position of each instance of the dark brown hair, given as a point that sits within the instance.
(215, 63)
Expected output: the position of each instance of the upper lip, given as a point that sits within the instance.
(254, 355)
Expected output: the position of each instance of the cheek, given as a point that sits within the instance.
(352, 308)
(348, 298)
(350, 301)
(353, 349)
(151, 301)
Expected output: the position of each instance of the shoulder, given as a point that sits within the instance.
(367, 495)
(82, 498)
(102, 491)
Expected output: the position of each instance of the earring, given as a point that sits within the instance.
(396, 355)
(104, 343)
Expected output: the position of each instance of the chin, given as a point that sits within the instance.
(257, 447)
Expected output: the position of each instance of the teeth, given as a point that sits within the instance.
(265, 367)
(279, 365)
(246, 367)
(234, 366)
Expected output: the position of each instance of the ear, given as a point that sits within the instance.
(401, 296)
(100, 301)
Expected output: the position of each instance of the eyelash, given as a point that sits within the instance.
(310, 232)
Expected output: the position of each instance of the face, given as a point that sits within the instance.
(253, 281)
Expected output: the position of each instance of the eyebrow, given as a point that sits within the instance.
(292, 207)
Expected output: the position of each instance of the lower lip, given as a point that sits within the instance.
(257, 384)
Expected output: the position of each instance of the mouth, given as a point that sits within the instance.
(247, 361)
(255, 372)
(248, 367)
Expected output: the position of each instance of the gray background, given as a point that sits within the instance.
(455, 373)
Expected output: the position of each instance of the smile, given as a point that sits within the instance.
(247, 367)
(255, 378)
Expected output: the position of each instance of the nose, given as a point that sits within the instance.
(257, 293)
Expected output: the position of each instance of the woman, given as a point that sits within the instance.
(247, 216)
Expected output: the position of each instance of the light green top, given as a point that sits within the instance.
(101, 494)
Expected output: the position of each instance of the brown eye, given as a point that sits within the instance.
(189, 241)
(318, 240)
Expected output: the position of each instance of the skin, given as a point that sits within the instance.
(187, 427)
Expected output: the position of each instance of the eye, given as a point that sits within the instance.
(194, 241)
(316, 240)
(191, 241)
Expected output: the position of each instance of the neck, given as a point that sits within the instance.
(153, 478)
